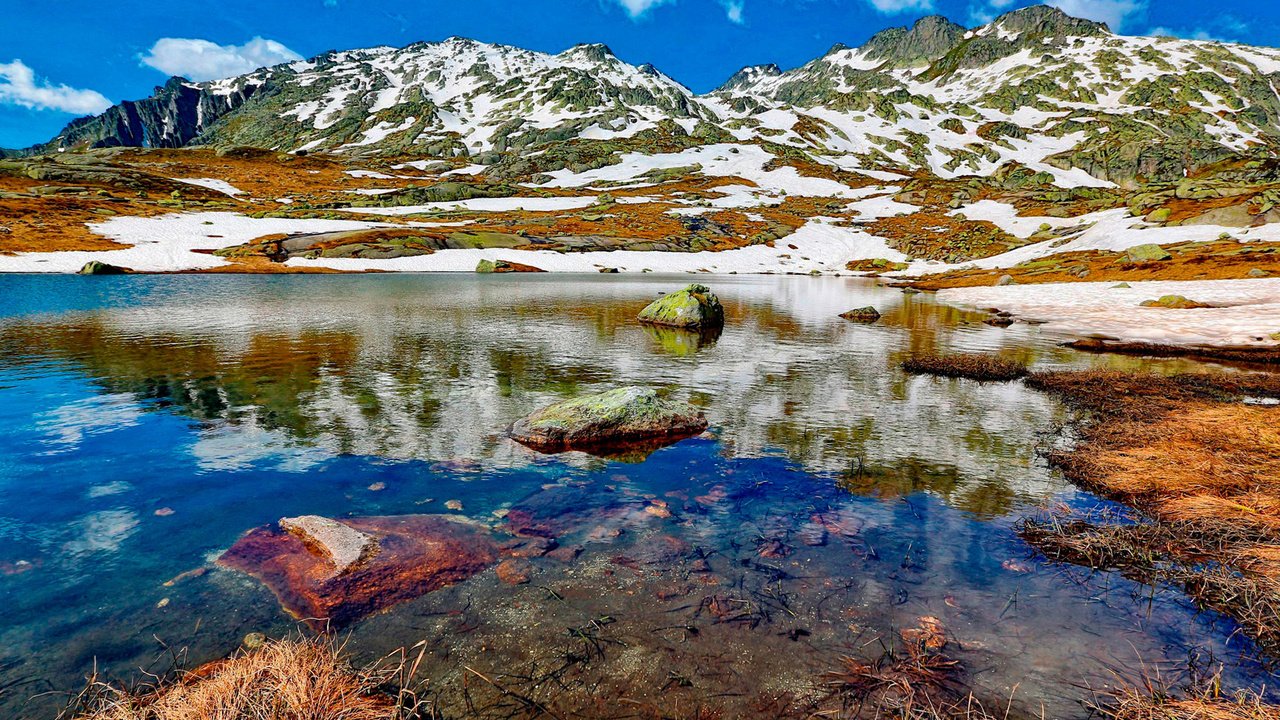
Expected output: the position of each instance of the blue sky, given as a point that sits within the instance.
(63, 58)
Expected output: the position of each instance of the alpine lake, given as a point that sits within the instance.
(148, 422)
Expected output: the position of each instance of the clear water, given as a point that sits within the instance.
(226, 403)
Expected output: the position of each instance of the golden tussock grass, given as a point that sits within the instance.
(1133, 705)
(280, 680)
(1202, 467)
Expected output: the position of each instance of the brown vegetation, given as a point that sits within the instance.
(972, 366)
(1266, 355)
(1134, 705)
(282, 680)
(913, 681)
(1200, 464)
(1218, 260)
(935, 235)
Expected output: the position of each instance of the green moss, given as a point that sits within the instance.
(692, 307)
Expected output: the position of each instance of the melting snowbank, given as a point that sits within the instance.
(1248, 312)
(169, 242)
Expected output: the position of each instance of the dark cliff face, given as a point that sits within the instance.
(174, 116)
(929, 39)
(1045, 21)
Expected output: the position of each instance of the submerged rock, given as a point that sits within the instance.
(95, 267)
(695, 306)
(616, 417)
(416, 554)
(866, 314)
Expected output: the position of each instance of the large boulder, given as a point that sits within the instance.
(607, 420)
(693, 307)
(308, 562)
(504, 266)
(95, 267)
(1147, 253)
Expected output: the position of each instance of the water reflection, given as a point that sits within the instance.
(435, 368)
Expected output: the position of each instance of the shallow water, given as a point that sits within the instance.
(226, 403)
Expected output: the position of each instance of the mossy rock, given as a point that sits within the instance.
(694, 306)
(866, 314)
(614, 418)
(1174, 302)
(95, 267)
(1148, 253)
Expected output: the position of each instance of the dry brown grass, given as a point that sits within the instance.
(1203, 469)
(281, 680)
(1134, 705)
(1245, 356)
(972, 366)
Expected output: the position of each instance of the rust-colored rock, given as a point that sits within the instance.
(514, 572)
(416, 555)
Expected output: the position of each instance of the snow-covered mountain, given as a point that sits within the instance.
(1061, 96)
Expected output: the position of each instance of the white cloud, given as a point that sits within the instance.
(18, 86)
(1112, 12)
(893, 7)
(733, 10)
(203, 60)
(637, 8)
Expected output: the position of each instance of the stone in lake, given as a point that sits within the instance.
(866, 314)
(95, 267)
(607, 421)
(415, 555)
(693, 307)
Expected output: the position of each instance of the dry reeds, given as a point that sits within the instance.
(1207, 704)
(915, 680)
(1200, 464)
(984, 368)
(280, 680)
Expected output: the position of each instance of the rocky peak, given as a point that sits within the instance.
(1045, 21)
(929, 39)
(596, 52)
(749, 75)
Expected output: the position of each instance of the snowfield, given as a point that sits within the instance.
(1247, 312)
(169, 243)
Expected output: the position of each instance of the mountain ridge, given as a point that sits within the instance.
(1035, 87)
